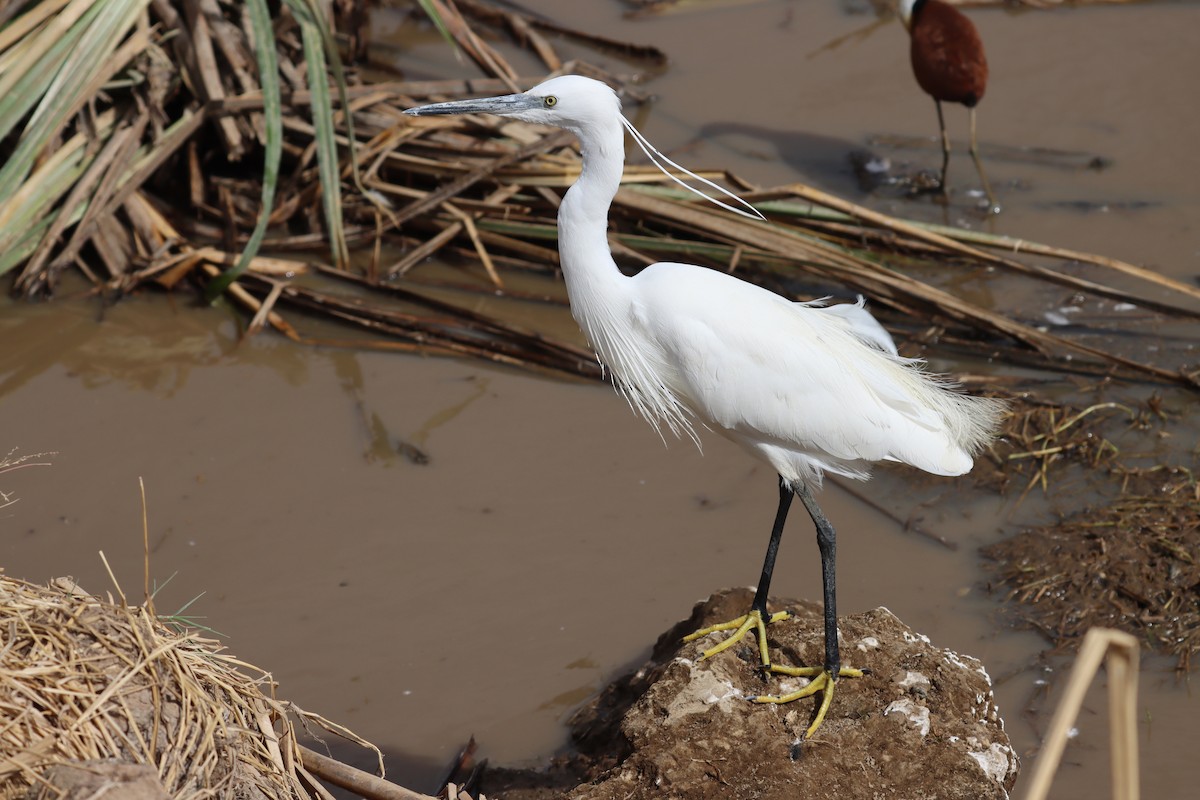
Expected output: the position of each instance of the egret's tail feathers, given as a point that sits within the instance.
(967, 424)
(978, 421)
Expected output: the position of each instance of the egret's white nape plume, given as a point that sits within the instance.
(654, 155)
(806, 387)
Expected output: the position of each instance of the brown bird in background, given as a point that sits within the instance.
(950, 66)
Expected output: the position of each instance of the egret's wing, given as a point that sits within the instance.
(861, 323)
(817, 381)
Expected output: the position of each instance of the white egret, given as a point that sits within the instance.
(805, 387)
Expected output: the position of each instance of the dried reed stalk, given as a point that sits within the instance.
(1119, 653)
(481, 189)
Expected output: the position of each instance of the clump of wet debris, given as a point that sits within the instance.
(1040, 438)
(1129, 559)
(1131, 564)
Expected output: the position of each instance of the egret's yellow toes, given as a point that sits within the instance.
(809, 672)
(740, 627)
(822, 681)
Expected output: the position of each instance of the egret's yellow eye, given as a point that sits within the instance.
(550, 101)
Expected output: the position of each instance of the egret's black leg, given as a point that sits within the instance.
(824, 679)
(827, 542)
(758, 617)
(764, 582)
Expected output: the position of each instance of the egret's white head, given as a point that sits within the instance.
(589, 109)
(568, 101)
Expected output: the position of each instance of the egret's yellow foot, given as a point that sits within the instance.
(743, 625)
(822, 681)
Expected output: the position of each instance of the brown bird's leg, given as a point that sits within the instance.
(993, 206)
(945, 145)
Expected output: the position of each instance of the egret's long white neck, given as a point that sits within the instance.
(602, 299)
(594, 284)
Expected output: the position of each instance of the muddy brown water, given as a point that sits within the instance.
(388, 595)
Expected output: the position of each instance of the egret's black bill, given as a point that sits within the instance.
(503, 105)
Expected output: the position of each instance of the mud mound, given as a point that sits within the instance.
(922, 724)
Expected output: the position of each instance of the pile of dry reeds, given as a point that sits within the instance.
(99, 696)
(84, 680)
